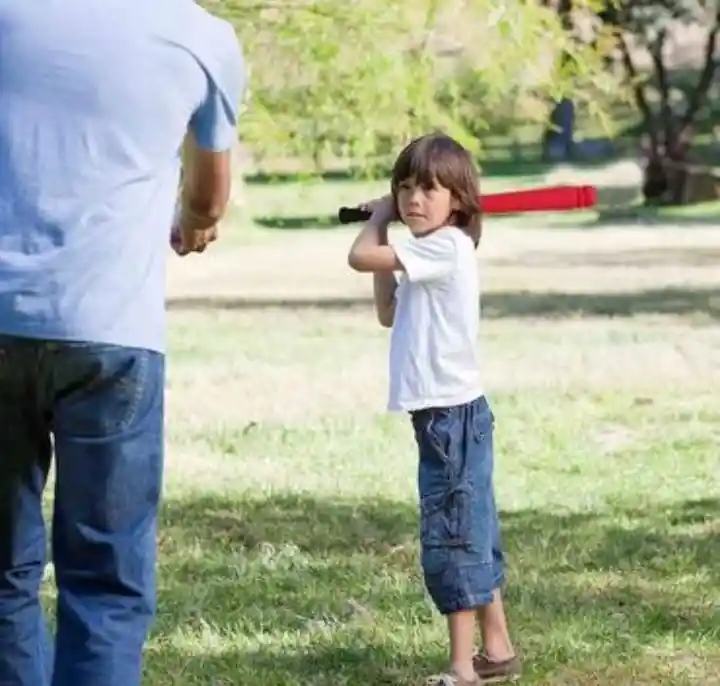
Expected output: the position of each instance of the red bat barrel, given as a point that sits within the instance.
(550, 199)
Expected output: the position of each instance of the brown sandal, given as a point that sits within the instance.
(491, 672)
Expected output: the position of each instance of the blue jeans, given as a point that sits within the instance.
(462, 559)
(100, 408)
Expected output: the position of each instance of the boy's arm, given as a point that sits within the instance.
(369, 253)
(422, 259)
(384, 285)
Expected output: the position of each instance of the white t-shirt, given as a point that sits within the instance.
(433, 345)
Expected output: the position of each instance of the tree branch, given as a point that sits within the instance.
(703, 85)
(656, 53)
(639, 91)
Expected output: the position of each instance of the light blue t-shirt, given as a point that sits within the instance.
(95, 101)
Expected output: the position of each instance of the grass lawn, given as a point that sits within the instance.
(289, 547)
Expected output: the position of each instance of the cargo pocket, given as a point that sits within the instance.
(445, 524)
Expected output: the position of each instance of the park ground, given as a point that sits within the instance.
(289, 547)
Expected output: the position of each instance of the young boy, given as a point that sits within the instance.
(435, 377)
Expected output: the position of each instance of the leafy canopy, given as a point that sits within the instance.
(355, 78)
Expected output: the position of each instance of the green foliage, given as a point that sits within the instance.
(354, 79)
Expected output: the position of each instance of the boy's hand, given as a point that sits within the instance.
(383, 209)
(370, 252)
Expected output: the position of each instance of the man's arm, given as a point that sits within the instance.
(207, 178)
(212, 134)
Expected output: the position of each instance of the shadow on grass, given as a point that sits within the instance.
(655, 219)
(642, 216)
(317, 665)
(320, 221)
(675, 256)
(505, 305)
(622, 205)
(668, 301)
(310, 590)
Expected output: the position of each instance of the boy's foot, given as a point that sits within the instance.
(491, 672)
(452, 680)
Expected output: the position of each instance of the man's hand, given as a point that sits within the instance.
(203, 197)
(183, 242)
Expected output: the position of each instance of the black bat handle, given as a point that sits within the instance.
(351, 215)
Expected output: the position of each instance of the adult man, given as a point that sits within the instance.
(96, 99)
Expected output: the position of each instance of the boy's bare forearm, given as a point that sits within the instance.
(371, 253)
(384, 285)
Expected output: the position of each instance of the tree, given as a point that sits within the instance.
(352, 80)
(646, 26)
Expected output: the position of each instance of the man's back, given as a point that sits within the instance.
(96, 100)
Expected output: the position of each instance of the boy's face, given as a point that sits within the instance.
(424, 209)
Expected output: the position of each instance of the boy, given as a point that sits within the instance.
(435, 377)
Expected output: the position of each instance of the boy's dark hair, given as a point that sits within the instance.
(438, 158)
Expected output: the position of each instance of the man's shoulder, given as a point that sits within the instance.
(211, 23)
(214, 43)
(179, 23)
(199, 30)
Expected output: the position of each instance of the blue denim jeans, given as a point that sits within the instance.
(100, 408)
(462, 559)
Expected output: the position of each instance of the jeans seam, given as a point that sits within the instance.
(137, 397)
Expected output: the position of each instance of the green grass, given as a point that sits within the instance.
(297, 588)
(289, 551)
(302, 568)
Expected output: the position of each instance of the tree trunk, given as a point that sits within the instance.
(669, 177)
(671, 182)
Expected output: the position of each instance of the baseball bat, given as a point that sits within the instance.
(546, 199)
